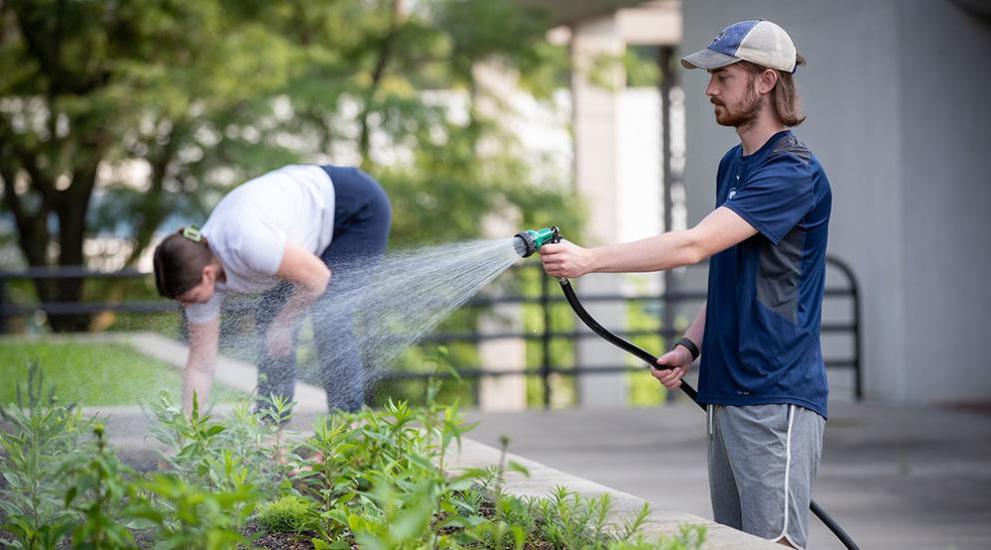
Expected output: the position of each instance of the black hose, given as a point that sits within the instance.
(651, 361)
(629, 347)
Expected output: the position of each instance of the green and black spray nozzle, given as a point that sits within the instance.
(529, 241)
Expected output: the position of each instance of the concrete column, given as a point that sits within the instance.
(502, 393)
(596, 180)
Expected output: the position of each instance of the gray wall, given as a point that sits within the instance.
(897, 95)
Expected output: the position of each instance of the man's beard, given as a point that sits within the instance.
(745, 115)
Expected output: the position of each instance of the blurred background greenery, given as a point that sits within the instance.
(126, 119)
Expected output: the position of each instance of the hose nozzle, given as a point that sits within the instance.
(529, 241)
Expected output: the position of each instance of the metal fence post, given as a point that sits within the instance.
(858, 370)
(545, 339)
(3, 306)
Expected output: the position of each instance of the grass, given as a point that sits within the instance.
(94, 374)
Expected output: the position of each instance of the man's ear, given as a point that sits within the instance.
(766, 81)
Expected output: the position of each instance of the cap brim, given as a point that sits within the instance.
(707, 59)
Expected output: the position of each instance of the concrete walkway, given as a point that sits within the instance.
(893, 477)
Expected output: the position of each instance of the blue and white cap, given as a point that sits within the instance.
(759, 41)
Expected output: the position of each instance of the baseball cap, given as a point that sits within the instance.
(758, 41)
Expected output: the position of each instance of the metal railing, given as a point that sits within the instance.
(546, 299)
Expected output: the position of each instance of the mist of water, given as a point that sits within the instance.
(374, 310)
(377, 309)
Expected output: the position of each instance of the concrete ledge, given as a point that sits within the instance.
(543, 480)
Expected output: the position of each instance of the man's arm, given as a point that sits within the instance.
(718, 231)
(310, 277)
(200, 365)
(696, 330)
(679, 359)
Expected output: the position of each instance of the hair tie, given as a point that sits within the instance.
(192, 234)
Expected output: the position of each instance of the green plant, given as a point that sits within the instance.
(41, 438)
(99, 486)
(690, 537)
(92, 374)
(375, 478)
(187, 516)
(381, 480)
(288, 514)
(206, 449)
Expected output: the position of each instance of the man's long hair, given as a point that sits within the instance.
(784, 96)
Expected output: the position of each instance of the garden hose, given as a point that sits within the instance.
(532, 241)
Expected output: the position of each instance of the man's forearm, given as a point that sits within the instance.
(200, 365)
(696, 330)
(666, 251)
(296, 305)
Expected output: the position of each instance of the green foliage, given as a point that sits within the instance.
(288, 514)
(92, 374)
(57, 483)
(188, 516)
(561, 351)
(375, 478)
(381, 481)
(205, 95)
(42, 439)
(99, 486)
(223, 455)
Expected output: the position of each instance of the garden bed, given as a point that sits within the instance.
(374, 479)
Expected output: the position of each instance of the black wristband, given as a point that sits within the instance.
(690, 346)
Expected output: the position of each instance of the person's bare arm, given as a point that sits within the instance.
(696, 330)
(679, 358)
(310, 277)
(718, 231)
(200, 365)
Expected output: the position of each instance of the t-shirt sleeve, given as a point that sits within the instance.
(205, 312)
(775, 198)
(722, 170)
(261, 248)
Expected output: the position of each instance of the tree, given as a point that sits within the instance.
(91, 83)
(190, 98)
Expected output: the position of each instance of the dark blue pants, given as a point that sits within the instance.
(362, 216)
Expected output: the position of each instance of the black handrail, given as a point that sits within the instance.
(546, 300)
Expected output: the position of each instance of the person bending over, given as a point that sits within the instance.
(279, 236)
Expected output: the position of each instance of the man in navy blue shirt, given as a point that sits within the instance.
(762, 374)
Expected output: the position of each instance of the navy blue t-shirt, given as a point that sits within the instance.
(764, 309)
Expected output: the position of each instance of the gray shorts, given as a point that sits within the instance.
(762, 460)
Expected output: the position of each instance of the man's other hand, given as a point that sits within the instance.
(675, 365)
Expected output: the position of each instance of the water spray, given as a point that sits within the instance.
(527, 242)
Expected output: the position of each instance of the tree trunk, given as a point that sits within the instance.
(385, 52)
(71, 208)
(32, 226)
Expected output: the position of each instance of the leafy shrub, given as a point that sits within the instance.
(97, 489)
(375, 478)
(187, 516)
(288, 514)
(203, 451)
(41, 439)
(58, 481)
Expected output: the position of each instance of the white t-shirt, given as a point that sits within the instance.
(249, 229)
